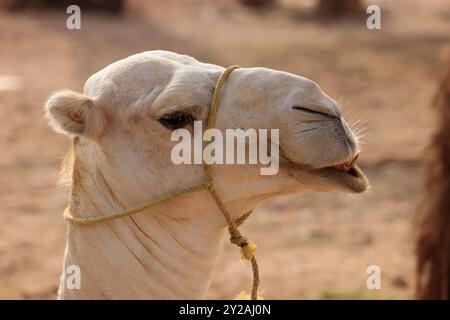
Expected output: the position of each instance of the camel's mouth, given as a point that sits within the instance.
(346, 175)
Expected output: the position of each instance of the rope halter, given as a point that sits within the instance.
(247, 247)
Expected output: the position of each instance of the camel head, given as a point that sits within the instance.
(123, 122)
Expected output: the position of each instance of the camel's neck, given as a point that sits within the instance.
(149, 256)
(168, 252)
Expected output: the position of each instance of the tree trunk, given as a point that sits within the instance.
(340, 7)
(258, 4)
(108, 6)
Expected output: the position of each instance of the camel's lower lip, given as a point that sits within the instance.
(351, 179)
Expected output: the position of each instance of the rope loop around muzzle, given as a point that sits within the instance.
(248, 248)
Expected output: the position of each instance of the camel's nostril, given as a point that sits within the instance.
(312, 111)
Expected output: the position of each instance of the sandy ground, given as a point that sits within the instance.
(310, 245)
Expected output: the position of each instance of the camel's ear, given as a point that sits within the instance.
(70, 112)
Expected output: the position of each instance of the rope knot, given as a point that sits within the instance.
(248, 248)
(239, 241)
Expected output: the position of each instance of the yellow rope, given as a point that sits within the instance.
(247, 247)
(68, 215)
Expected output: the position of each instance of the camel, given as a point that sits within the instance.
(120, 130)
(433, 217)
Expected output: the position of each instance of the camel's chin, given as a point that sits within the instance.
(330, 178)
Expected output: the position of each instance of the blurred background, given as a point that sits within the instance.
(311, 245)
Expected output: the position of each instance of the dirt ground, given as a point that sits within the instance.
(310, 245)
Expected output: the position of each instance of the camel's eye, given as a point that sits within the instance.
(176, 120)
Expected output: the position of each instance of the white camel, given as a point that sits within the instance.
(120, 158)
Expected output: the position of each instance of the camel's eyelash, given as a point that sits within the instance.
(177, 119)
(192, 110)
